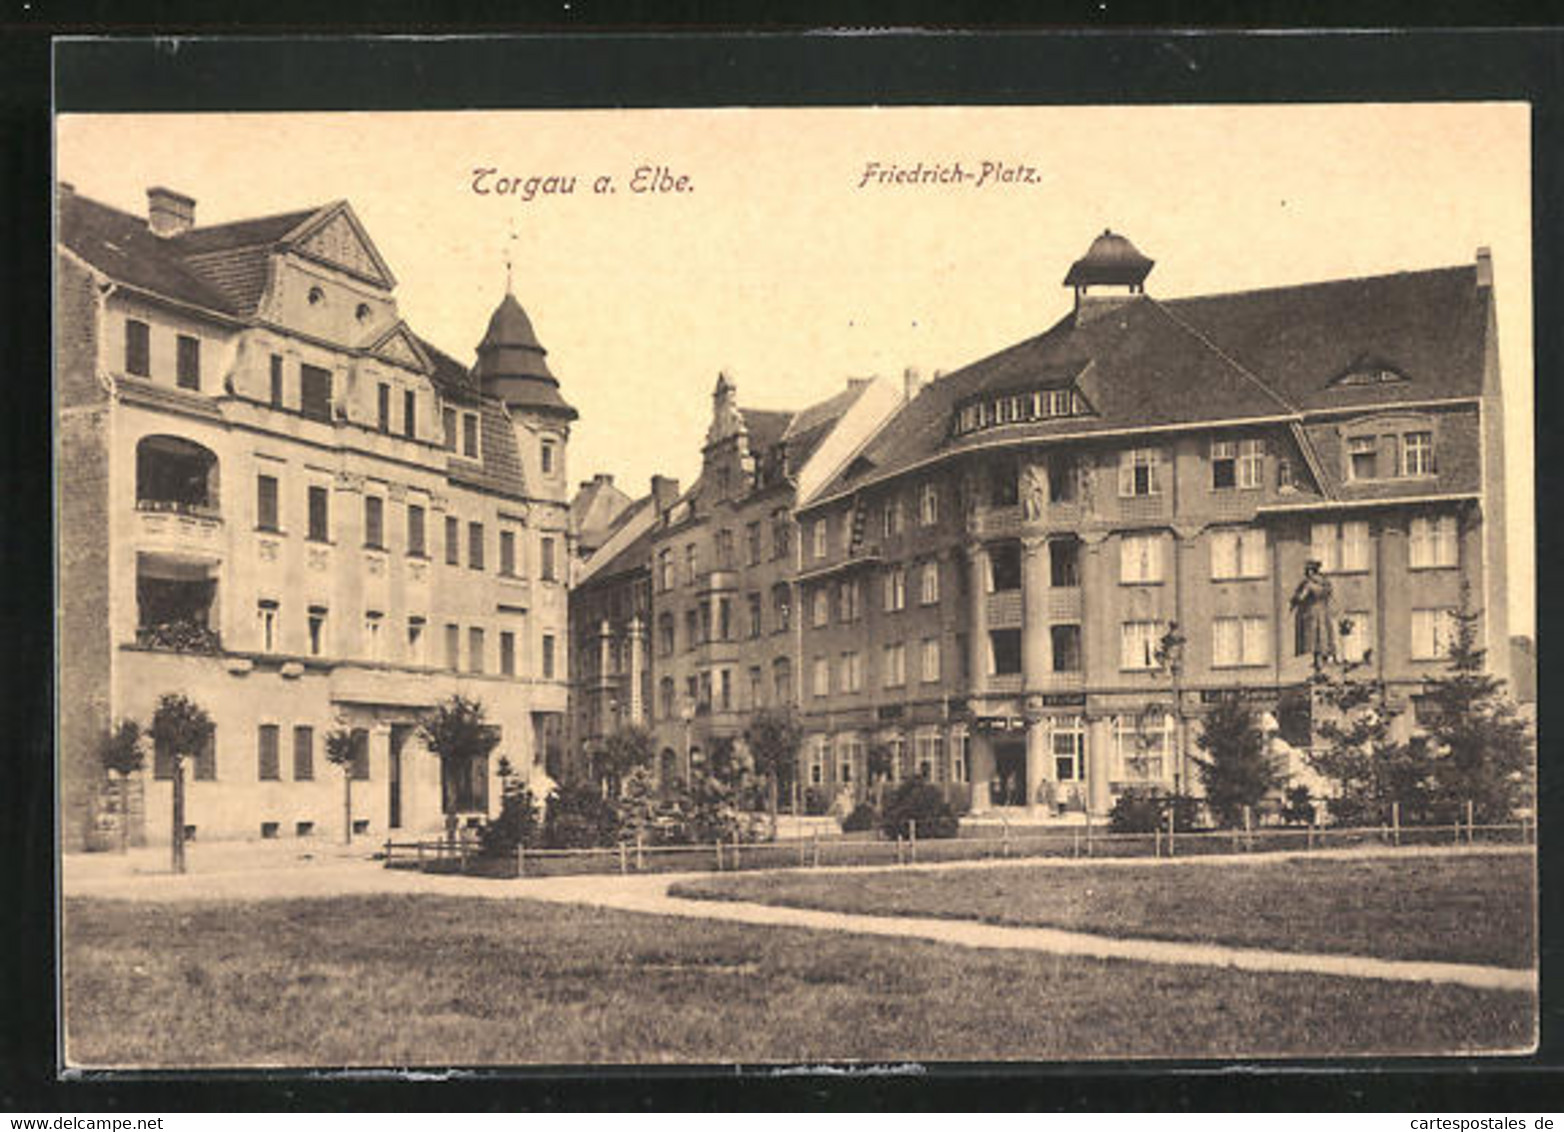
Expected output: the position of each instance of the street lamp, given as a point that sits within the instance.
(1170, 659)
(687, 713)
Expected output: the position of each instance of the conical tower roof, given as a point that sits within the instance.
(513, 365)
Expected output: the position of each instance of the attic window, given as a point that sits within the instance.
(362, 312)
(316, 296)
(1370, 372)
(1019, 408)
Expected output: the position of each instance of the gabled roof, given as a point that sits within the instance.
(628, 547)
(1268, 354)
(596, 509)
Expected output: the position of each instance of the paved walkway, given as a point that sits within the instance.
(343, 874)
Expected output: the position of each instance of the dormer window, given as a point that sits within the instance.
(548, 457)
(1018, 408)
(1362, 457)
(316, 296)
(1376, 375)
(362, 312)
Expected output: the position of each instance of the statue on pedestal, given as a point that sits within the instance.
(1314, 628)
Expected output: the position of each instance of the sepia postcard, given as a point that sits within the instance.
(883, 585)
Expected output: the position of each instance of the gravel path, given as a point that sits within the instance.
(649, 894)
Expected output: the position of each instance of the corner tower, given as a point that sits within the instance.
(512, 367)
(1112, 261)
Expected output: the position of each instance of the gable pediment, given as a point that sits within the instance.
(337, 239)
(399, 347)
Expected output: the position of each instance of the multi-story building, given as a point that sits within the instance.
(610, 619)
(723, 557)
(280, 501)
(1032, 581)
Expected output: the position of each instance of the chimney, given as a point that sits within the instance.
(603, 479)
(169, 213)
(665, 492)
(1484, 267)
(911, 382)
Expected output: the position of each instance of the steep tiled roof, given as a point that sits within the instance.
(1247, 355)
(501, 468)
(597, 509)
(123, 248)
(633, 555)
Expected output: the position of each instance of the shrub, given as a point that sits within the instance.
(817, 801)
(863, 817)
(578, 817)
(918, 801)
(1299, 808)
(517, 823)
(1142, 810)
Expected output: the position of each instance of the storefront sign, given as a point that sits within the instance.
(1064, 699)
(998, 724)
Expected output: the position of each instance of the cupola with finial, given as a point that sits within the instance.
(512, 364)
(1112, 262)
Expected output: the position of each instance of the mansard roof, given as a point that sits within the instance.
(1252, 355)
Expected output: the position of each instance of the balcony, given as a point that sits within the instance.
(180, 636)
(1004, 609)
(1064, 603)
(184, 528)
(996, 522)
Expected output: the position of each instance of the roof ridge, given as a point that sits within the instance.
(300, 212)
(1223, 354)
(1332, 282)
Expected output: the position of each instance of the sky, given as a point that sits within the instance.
(780, 262)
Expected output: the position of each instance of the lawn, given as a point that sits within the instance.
(1467, 908)
(426, 980)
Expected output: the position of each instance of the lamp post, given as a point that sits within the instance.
(687, 714)
(1170, 659)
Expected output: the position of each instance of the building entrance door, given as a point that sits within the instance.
(399, 734)
(1009, 786)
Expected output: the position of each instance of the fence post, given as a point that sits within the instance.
(1088, 831)
(735, 848)
(521, 859)
(1156, 845)
(1395, 824)
(1075, 843)
(624, 861)
(803, 851)
(1172, 825)
(1471, 822)
(420, 856)
(718, 843)
(1248, 830)
(1313, 824)
(640, 852)
(814, 846)
(912, 838)
(1004, 841)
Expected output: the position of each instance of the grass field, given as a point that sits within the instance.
(429, 980)
(1472, 909)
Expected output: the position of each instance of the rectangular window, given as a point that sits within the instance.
(315, 623)
(1005, 646)
(448, 428)
(1355, 637)
(820, 607)
(1224, 464)
(475, 546)
(1140, 472)
(453, 541)
(1417, 454)
(320, 517)
(1004, 567)
(1433, 542)
(359, 768)
(665, 633)
(373, 645)
(930, 658)
(849, 599)
(546, 458)
(1238, 553)
(266, 752)
(548, 656)
(1066, 641)
(416, 546)
(692, 632)
(691, 564)
(315, 393)
(1251, 463)
(267, 624)
(852, 672)
(415, 640)
(1067, 740)
(374, 522)
(928, 505)
(1063, 476)
(752, 602)
(453, 647)
(781, 534)
(819, 538)
(546, 558)
(383, 407)
(1064, 562)
(303, 754)
(891, 523)
(752, 543)
(724, 619)
(1433, 631)
(1240, 641)
(1362, 457)
(138, 348)
(1142, 746)
(475, 650)
(782, 680)
(188, 359)
(1140, 558)
(928, 584)
(895, 665)
(508, 553)
(1138, 641)
(410, 414)
(895, 589)
(276, 380)
(470, 435)
(266, 516)
(664, 570)
(781, 608)
(1340, 547)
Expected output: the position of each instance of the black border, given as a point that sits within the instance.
(664, 67)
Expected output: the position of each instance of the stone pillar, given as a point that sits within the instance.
(1099, 763)
(977, 621)
(372, 799)
(1035, 645)
(1038, 768)
(981, 769)
(637, 709)
(605, 710)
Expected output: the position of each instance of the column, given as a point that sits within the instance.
(1034, 615)
(637, 662)
(977, 620)
(1038, 770)
(605, 708)
(372, 799)
(1099, 762)
(981, 768)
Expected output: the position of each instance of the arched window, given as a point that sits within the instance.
(175, 474)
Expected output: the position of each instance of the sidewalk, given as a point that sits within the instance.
(237, 876)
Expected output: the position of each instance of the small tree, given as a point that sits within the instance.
(577, 816)
(342, 753)
(518, 821)
(182, 728)
(1482, 749)
(458, 734)
(1368, 769)
(121, 752)
(624, 751)
(774, 739)
(917, 800)
(1237, 771)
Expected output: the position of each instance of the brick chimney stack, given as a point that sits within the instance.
(665, 493)
(1484, 267)
(912, 381)
(169, 213)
